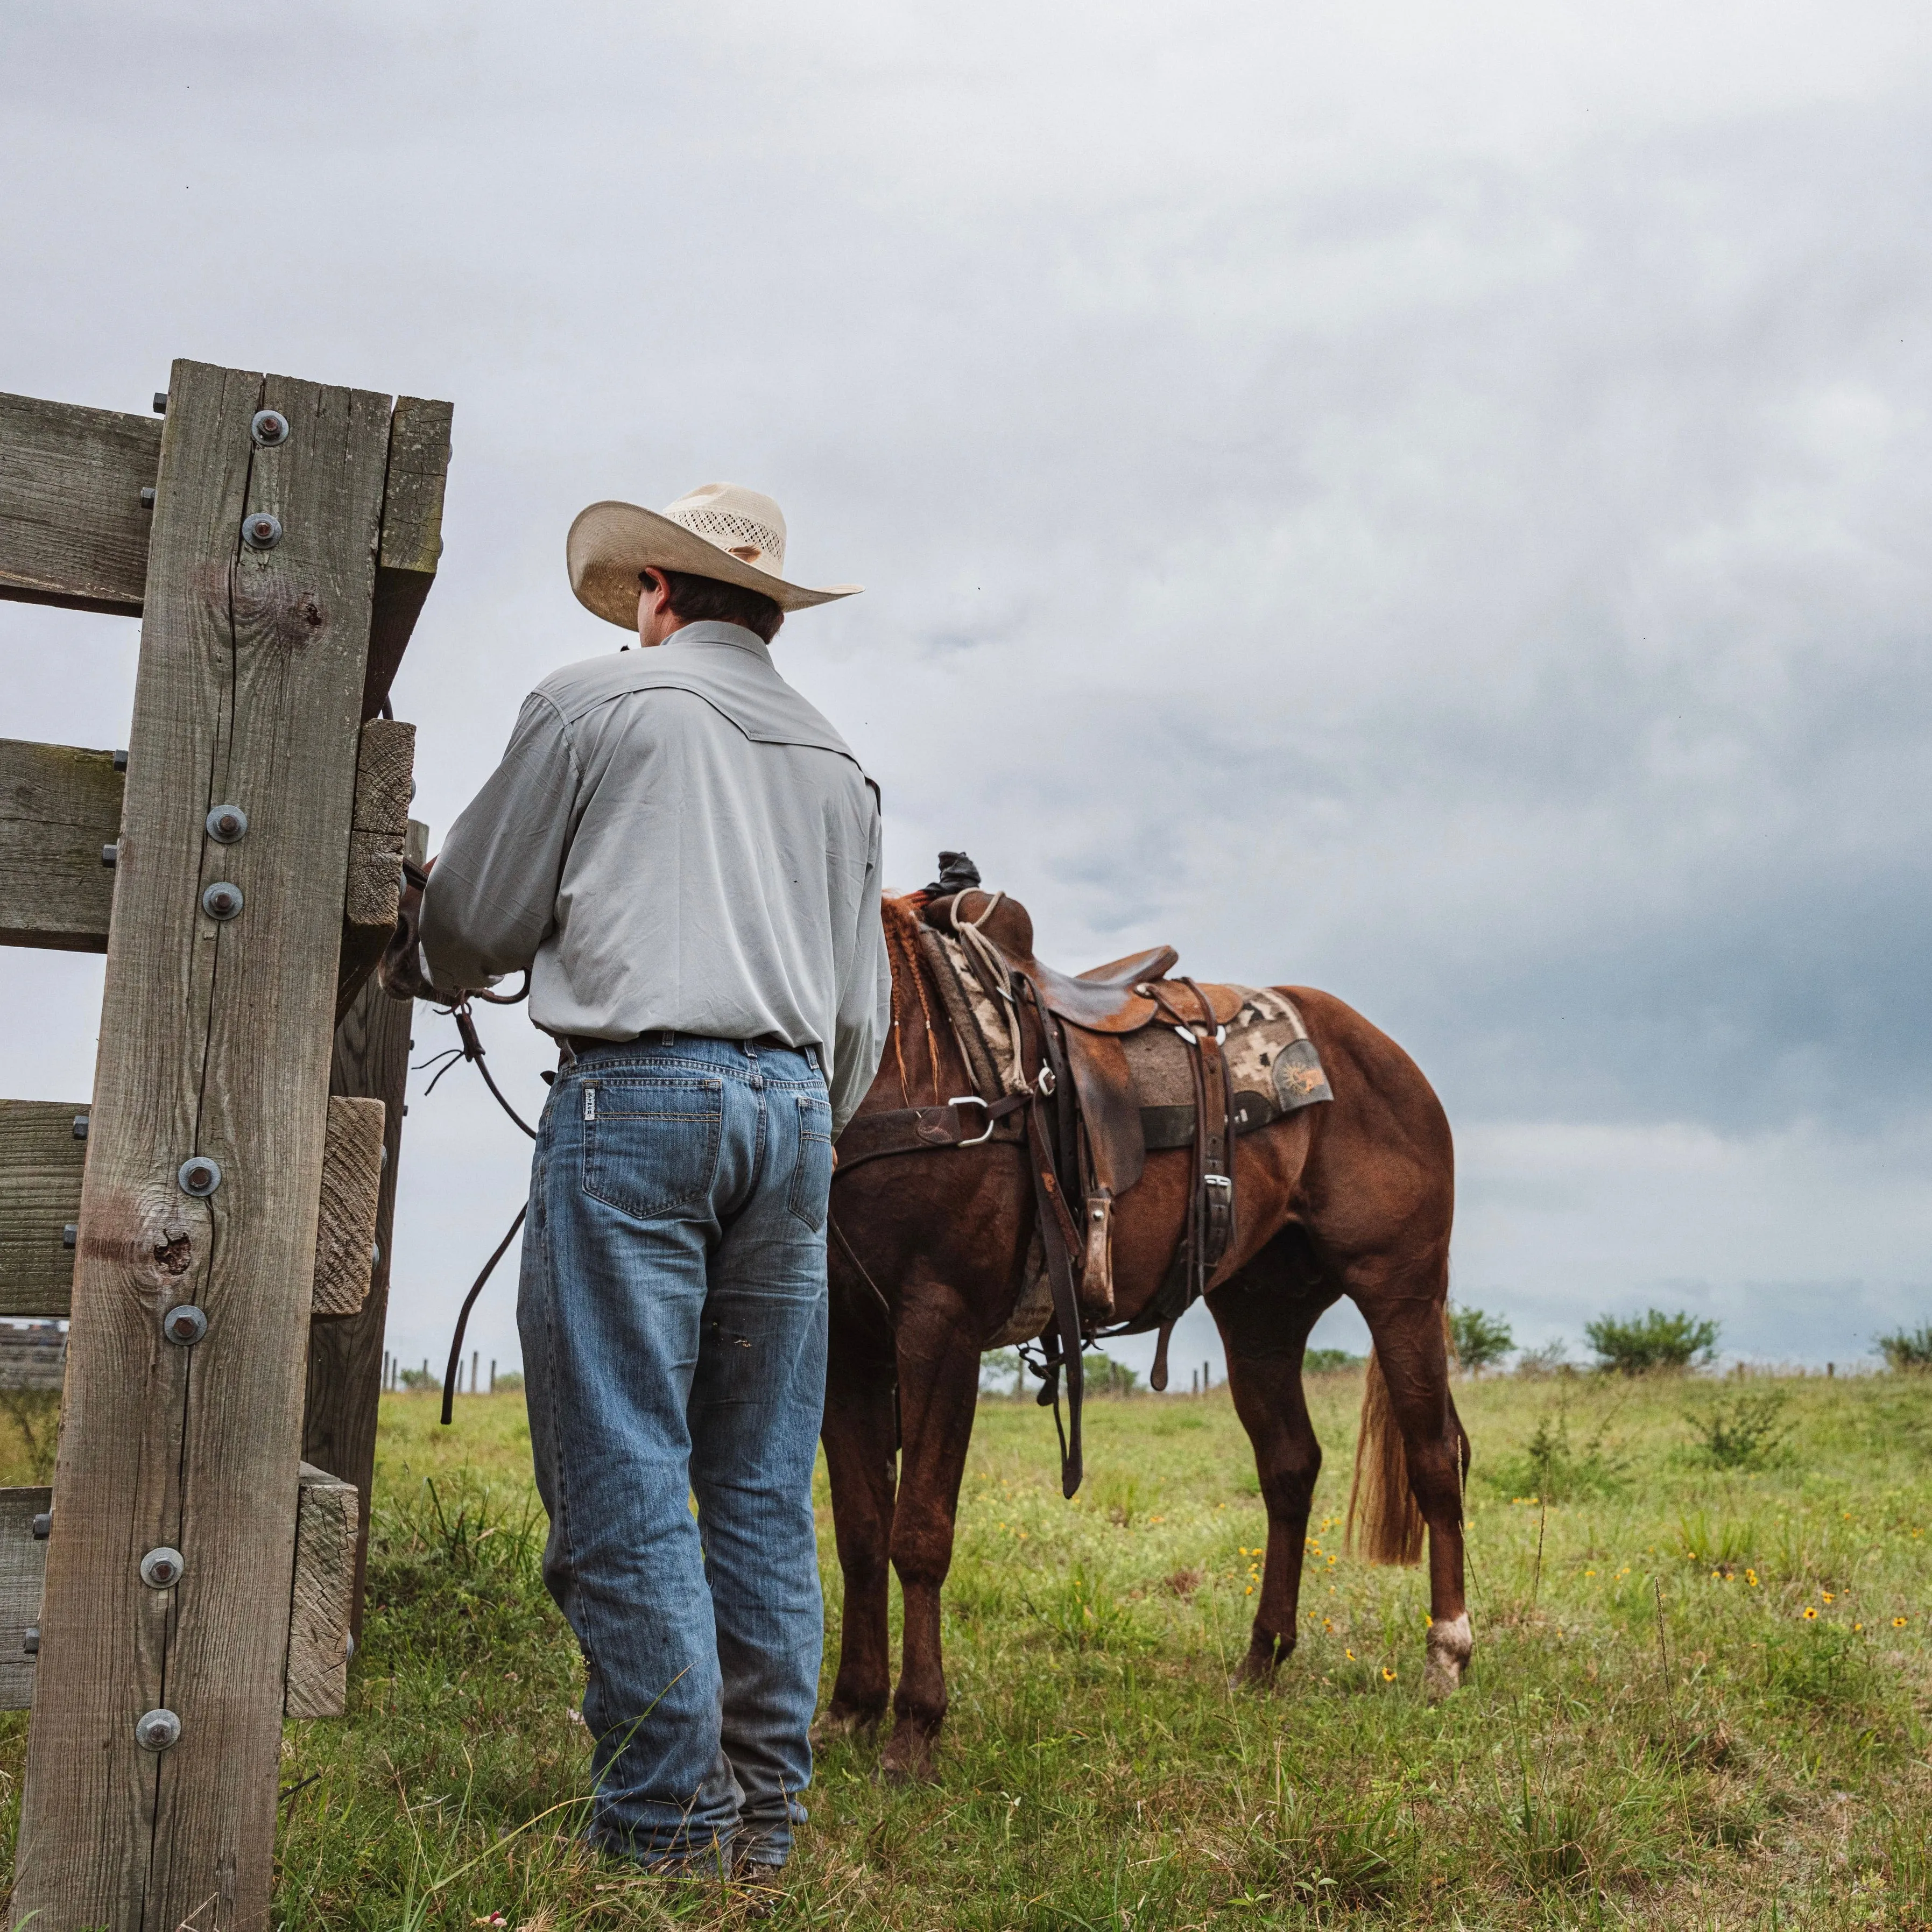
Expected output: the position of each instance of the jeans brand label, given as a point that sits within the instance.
(590, 1103)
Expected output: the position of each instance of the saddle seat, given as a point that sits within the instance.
(1103, 999)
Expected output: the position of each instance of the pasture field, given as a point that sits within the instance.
(1705, 1705)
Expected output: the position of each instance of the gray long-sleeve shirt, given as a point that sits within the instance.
(675, 838)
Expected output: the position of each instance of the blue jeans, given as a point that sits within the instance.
(673, 1313)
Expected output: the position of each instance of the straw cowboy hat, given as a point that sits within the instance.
(720, 529)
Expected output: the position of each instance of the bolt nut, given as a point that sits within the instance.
(80, 1121)
(161, 1569)
(121, 761)
(225, 824)
(269, 428)
(110, 855)
(199, 1175)
(70, 1234)
(157, 1730)
(184, 1324)
(44, 1526)
(222, 900)
(30, 1641)
(261, 531)
(160, 402)
(147, 499)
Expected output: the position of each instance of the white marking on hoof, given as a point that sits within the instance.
(1446, 1653)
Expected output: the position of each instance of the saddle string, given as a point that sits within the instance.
(996, 977)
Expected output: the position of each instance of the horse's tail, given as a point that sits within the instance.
(1384, 1524)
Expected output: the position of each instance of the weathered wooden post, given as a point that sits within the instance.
(278, 543)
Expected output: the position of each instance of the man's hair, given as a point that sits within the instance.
(698, 599)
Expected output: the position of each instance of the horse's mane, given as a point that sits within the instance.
(901, 917)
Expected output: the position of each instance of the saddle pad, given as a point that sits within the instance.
(1272, 1063)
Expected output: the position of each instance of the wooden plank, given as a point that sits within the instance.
(385, 777)
(345, 1358)
(34, 1357)
(352, 1181)
(73, 531)
(23, 1569)
(41, 1161)
(58, 806)
(327, 1517)
(316, 1681)
(411, 536)
(215, 1042)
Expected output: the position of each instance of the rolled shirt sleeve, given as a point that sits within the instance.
(864, 1014)
(491, 901)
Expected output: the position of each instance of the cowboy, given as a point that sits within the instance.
(685, 856)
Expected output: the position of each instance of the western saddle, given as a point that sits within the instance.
(1047, 1054)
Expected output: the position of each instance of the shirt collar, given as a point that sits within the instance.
(710, 633)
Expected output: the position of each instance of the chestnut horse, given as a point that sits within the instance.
(1351, 1196)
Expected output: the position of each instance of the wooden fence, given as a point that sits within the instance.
(215, 1218)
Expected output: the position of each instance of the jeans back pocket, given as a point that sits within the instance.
(812, 1173)
(650, 1144)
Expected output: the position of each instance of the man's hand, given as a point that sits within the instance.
(400, 973)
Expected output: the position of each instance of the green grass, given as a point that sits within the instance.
(1740, 1764)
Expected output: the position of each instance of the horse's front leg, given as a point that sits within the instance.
(939, 1386)
(860, 1454)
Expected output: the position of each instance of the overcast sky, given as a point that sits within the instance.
(1431, 503)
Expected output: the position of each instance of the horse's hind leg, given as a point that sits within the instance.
(939, 1388)
(1412, 1361)
(1264, 1313)
(861, 1450)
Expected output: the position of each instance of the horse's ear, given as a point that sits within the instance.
(1010, 927)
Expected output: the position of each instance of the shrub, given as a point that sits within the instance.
(1907, 1350)
(421, 1381)
(510, 1382)
(1481, 1340)
(1325, 1361)
(1538, 1365)
(1106, 1376)
(1556, 1469)
(1743, 1434)
(1651, 1340)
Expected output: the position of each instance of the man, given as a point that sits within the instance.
(686, 856)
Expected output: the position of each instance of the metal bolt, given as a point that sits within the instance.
(160, 402)
(200, 1176)
(260, 530)
(30, 1640)
(80, 1121)
(222, 900)
(147, 499)
(120, 761)
(161, 1569)
(157, 1730)
(375, 1254)
(1099, 1214)
(269, 428)
(110, 856)
(44, 1526)
(225, 824)
(184, 1324)
(70, 1234)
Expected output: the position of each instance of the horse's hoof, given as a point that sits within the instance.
(836, 1723)
(1446, 1656)
(908, 1757)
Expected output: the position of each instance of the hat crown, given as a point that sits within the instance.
(744, 523)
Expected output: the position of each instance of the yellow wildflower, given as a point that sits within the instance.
(1810, 1613)
(1388, 1676)
(1898, 1623)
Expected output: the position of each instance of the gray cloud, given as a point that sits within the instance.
(1429, 506)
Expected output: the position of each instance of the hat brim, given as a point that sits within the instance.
(611, 544)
